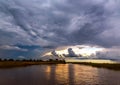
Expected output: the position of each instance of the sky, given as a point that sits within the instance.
(30, 27)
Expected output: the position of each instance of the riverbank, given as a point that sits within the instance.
(99, 63)
(112, 66)
(9, 64)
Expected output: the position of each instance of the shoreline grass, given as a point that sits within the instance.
(112, 66)
(10, 64)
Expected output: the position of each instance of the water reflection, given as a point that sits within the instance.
(59, 74)
(73, 74)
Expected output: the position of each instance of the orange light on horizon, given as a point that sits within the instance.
(83, 50)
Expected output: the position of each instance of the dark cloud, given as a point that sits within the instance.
(54, 53)
(52, 23)
(16, 51)
(71, 53)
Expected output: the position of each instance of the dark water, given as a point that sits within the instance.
(60, 74)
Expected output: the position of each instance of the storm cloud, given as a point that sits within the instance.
(52, 23)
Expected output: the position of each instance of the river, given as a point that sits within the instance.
(59, 74)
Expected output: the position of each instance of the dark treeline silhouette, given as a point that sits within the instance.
(57, 60)
(33, 60)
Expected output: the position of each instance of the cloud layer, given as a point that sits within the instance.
(51, 23)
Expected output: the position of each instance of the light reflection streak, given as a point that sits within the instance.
(67, 74)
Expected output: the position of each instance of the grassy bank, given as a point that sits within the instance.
(113, 66)
(9, 64)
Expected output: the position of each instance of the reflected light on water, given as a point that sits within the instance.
(72, 74)
(62, 73)
(86, 75)
(59, 74)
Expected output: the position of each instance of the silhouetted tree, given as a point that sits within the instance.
(24, 60)
(5, 60)
(40, 60)
(10, 60)
(57, 60)
(17, 60)
(30, 60)
(50, 59)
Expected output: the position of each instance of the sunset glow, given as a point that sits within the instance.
(83, 50)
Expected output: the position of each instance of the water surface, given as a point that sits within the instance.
(59, 74)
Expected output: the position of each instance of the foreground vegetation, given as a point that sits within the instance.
(17, 63)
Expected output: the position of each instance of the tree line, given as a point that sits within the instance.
(31, 60)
